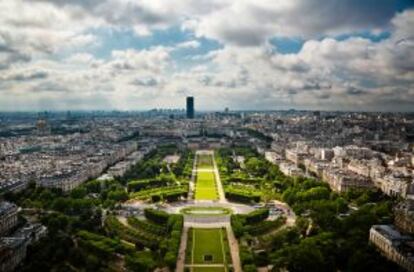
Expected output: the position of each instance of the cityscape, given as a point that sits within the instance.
(206, 136)
(183, 190)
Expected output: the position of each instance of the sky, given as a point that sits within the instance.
(242, 54)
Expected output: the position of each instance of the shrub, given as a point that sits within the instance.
(242, 197)
(257, 216)
(138, 185)
(159, 217)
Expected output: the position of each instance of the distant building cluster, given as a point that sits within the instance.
(65, 160)
(14, 238)
(363, 151)
(354, 151)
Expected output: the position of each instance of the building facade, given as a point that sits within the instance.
(8, 217)
(190, 107)
(394, 246)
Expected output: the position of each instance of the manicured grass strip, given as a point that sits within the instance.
(208, 242)
(208, 269)
(206, 211)
(193, 245)
(223, 250)
(160, 192)
(206, 186)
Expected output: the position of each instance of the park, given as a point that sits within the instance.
(167, 214)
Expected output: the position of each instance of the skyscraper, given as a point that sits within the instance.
(190, 107)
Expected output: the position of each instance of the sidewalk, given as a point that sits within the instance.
(181, 251)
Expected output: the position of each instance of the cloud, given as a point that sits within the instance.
(147, 82)
(155, 59)
(7, 58)
(257, 21)
(354, 91)
(26, 76)
(189, 44)
(38, 30)
(47, 53)
(329, 70)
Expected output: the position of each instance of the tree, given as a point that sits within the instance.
(256, 167)
(118, 195)
(249, 268)
(140, 262)
(79, 192)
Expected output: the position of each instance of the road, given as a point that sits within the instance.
(222, 196)
(181, 252)
(192, 181)
(288, 212)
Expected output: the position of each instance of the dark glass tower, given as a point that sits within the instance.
(190, 107)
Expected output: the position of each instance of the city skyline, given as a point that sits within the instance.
(207, 135)
(245, 55)
(226, 191)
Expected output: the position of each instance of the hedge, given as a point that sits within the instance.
(132, 235)
(242, 193)
(253, 223)
(147, 226)
(265, 226)
(175, 225)
(257, 216)
(159, 217)
(242, 197)
(157, 194)
(138, 185)
(243, 180)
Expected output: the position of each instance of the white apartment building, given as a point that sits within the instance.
(341, 180)
(296, 156)
(394, 185)
(290, 169)
(273, 157)
(393, 245)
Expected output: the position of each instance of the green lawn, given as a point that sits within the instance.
(205, 161)
(208, 269)
(207, 242)
(205, 188)
(206, 211)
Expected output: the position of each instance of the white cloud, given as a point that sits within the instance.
(46, 61)
(189, 44)
(251, 23)
(155, 59)
(42, 28)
